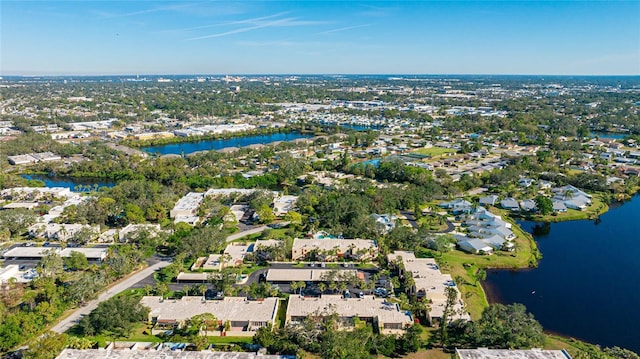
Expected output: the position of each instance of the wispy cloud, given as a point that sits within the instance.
(240, 30)
(375, 11)
(259, 23)
(173, 7)
(255, 20)
(276, 43)
(344, 29)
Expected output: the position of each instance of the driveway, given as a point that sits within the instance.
(123, 285)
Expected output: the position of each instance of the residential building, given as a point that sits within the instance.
(457, 206)
(92, 254)
(485, 353)
(187, 205)
(489, 200)
(130, 350)
(126, 232)
(430, 284)
(475, 246)
(244, 316)
(283, 204)
(386, 222)
(387, 316)
(333, 248)
(510, 203)
(286, 275)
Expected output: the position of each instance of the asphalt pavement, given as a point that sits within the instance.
(121, 286)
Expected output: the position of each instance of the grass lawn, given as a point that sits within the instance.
(434, 151)
(137, 335)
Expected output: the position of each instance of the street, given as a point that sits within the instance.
(123, 285)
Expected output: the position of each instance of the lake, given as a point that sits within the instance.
(205, 145)
(587, 285)
(68, 182)
(610, 135)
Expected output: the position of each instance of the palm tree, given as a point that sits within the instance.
(294, 287)
(322, 287)
(302, 285)
(333, 286)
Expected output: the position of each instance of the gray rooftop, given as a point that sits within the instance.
(484, 353)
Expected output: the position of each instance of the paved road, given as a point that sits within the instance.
(248, 232)
(126, 283)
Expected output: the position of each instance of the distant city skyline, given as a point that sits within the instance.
(319, 37)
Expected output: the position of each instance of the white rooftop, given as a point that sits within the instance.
(229, 308)
(484, 353)
(367, 307)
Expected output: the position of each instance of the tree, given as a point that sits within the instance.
(452, 296)
(116, 315)
(322, 287)
(76, 261)
(508, 326)
(544, 204)
(50, 265)
(47, 346)
(16, 221)
(265, 214)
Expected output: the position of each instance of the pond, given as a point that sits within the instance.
(587, 285)
(71, 183)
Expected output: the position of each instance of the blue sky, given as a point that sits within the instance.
(319, 37)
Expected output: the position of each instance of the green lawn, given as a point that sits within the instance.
(434, 151)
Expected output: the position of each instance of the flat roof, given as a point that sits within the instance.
(307, 274)
(159, 354)
(427, 276)
(39, 252)
(331, 243)
(192, 276)
(229, 308)
(484, 353)
(367, 307)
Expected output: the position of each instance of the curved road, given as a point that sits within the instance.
(124, 284)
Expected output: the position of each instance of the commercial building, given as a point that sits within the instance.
(244, 316)
(385, 316)
(484, 353)
(33, 158)
(333, 248)
(430, 284)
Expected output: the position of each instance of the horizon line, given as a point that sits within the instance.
(308, 74)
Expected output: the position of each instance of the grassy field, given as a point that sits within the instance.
(434, 151)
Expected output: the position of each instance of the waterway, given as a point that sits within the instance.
(70, 182)
(206, 145)
(587, 285)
